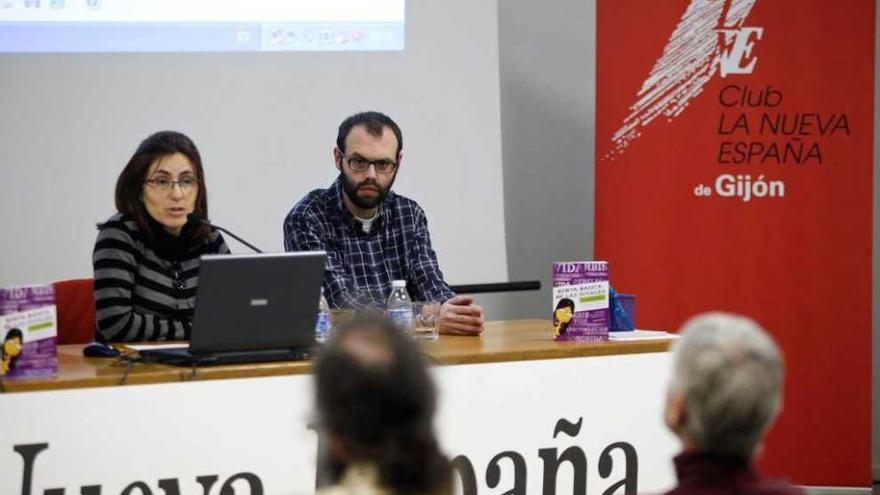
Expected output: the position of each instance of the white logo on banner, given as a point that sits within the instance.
(709, 36)
(736, 54)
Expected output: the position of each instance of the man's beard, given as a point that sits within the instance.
(351, 190)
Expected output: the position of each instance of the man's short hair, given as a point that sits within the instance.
(375, 124)
(729, 373)
(374, 393)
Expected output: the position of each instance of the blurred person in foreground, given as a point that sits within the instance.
(375, 403)
(725, 392)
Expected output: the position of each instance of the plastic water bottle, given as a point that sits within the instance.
(399, 308)
(322, 327)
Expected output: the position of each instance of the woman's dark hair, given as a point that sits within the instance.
(563, 303)
(11, 334)
(374, 394)
(130, 185)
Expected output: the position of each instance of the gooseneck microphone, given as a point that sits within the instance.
(196, 218)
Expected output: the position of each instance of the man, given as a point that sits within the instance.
(375, 403)
(372, 235)
(724, 395)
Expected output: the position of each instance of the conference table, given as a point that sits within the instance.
(516, 408)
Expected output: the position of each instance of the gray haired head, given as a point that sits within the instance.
(728, 375)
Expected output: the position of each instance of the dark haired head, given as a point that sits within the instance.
(565, 303)
(14, 333)
(375, 124)
(376, 398)
(130, 184)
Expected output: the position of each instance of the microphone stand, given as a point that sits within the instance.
(196, 218)
(237, 238)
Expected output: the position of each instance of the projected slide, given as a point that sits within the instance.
(200, 25)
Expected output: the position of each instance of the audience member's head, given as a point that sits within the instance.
(726, 385)
(376, 402)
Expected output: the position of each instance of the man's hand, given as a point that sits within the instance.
(460, 316)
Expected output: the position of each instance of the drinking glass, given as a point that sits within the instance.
(425, 314)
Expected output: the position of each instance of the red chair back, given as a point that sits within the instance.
(75, 305)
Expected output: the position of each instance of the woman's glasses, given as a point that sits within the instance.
(165, 185)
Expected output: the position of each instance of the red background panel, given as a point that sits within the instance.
(800, 264)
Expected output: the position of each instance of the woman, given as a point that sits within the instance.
(146, 258)
(562, 316)
(10, 351)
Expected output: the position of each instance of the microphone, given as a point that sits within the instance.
(196, 218)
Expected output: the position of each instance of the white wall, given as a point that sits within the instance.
(548, 90)
(265, 124)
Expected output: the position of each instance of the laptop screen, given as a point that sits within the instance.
(257, 301)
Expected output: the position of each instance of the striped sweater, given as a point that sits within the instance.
(144, 290)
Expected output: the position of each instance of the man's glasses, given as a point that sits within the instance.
(359, 164)
(165, 185)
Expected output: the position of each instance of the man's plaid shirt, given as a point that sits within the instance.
(361, 266)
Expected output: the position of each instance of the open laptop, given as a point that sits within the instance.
(252, 308)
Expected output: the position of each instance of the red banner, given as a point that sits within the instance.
(734, 172)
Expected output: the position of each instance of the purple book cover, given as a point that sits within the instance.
(28, 327)
(580, 301)
(15, 299)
